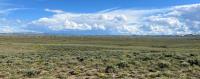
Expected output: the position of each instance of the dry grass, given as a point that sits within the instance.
(93, 57)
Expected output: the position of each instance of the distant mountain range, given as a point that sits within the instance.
(64, 34)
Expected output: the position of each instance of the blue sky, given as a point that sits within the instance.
(107, 17)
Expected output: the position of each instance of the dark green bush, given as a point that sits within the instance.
(168, 54)
(194, 61)
(122, 64)
(163, 64)
(31, 73)
(80, 59)
(110, 69)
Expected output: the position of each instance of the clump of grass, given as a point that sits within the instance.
(48, 66)
(75, 72)
(159, 46)
(101, 75)
(146, 58)
(154, 75)
(61, 76)
(122, 64)
(31, 73)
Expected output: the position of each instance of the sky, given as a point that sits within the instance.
(100, 17)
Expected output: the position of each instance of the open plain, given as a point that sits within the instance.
(97, 57)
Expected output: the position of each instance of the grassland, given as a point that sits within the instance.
(99, 57)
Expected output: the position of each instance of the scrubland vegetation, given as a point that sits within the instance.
(99, 57)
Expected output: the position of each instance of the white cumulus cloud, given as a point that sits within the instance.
(54, 11)
(183, 19)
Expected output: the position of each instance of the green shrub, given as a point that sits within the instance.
(145, 57)
(163, 64)
(75, 72)
(194, 61)
(110, 69)
(159, 46)
(192, 54)
(168, 54)
(3, 56)
(9, 61)
(122, 64)
(80, 59)
(31, 73)
(179, 56)
(185, 64)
